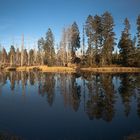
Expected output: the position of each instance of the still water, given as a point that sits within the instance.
(50, 106)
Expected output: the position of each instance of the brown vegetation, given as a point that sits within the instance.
(112, 69)
(46, 69)
(74, 69)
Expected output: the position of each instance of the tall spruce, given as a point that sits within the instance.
(41, 43)
(49, 48)
(108, 39)
(90, 33)
(138, 43)
(138, 31)
(75, 39)
(126, 45)
(31, 57)
(97, 37)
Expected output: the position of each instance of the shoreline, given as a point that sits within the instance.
(112, 70)
(75, 69)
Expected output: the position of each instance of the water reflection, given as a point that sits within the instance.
(46, 86)
(96, 94)
(100, 103)
(129, 88)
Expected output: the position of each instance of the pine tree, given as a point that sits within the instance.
(126, 46)
(31, 57)
(97, 37)
(138, 31)
(49, 48)
(108, 39)
(41, 43)
(90, 53)
(138, 44)
(90, 36)
(75, 39)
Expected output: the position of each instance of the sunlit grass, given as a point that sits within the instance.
(112, 69)
(71, 69)
(46, 69)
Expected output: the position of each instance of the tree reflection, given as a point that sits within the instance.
(32, 78)
(100, 103)
(126, 91)
(94, 93)
(76, 93)
(70, 90)
(137, 84)
(64, 85)
(12, 79)
(46, 87)
(3, 78)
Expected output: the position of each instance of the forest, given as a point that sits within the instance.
(94, 47)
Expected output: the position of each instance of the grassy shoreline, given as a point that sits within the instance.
(75, 69)
(46, 69)
(112, 69)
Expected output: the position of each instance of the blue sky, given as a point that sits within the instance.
(34, 17)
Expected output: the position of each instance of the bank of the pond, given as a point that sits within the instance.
(111, 69)
(46, 69)
(75, 69)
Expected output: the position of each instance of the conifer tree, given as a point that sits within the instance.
(138, 43)
(138, 31)
(31, 57)
(126, 45)
(49, 48)
(75, 37)
(90, 34)
(108, 38)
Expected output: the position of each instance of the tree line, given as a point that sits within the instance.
(99, 50)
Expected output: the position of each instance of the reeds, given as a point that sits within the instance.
(112, 69)
(46, 69)
(71, 69)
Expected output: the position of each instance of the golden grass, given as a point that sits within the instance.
(57, 69)
(112, 69)
(69, 69)
(46, 69)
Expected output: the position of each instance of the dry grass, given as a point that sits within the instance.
(70, 69)
(57, 69)
(112, 69)
(46, 69)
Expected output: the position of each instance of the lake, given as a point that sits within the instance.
(86, 106)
